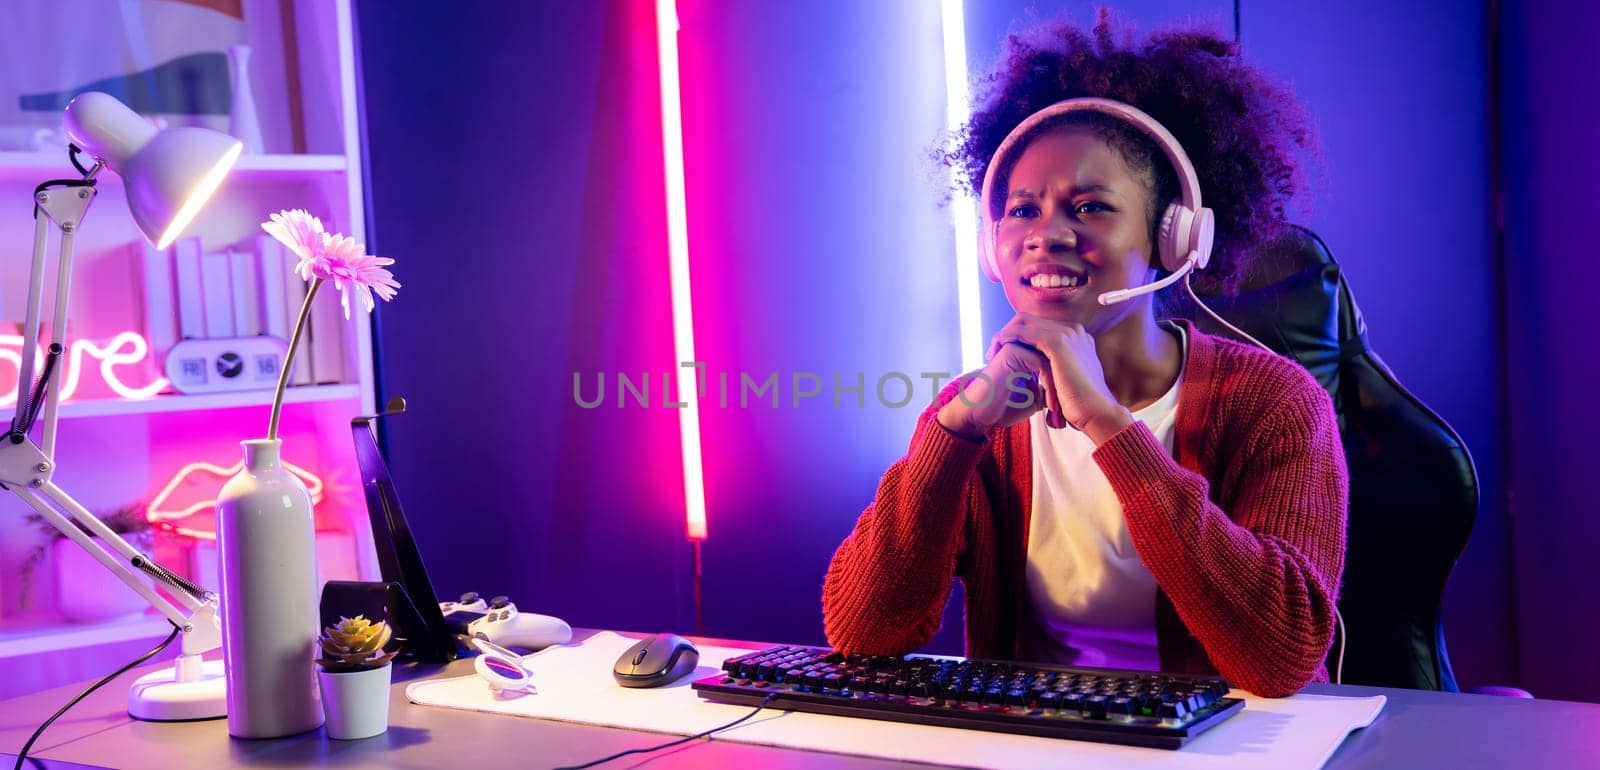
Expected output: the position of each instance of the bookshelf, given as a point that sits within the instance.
(109, 407)
(116, 450)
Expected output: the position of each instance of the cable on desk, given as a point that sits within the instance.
(23, 754)
(697, 736)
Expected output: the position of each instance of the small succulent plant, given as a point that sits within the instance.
(355, 644)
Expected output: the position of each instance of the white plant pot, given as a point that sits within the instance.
(87, 592)
(356, 703)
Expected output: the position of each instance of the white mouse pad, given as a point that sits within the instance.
(575, 685)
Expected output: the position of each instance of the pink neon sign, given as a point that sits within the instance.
(169, 507)
(124, 349)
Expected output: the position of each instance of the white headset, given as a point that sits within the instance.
(1187, 228)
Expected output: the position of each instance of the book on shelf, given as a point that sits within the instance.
(294, 295)
(327, 336)
(189, 289)
(273, 296)
(159, 306)
(216, 282)
(246, 305)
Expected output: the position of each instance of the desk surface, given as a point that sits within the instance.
(1417, 729)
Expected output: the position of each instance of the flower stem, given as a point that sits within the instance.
(288, 358)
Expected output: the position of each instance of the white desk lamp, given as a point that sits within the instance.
(169, 175)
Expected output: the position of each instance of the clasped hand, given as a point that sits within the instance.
(1036, 363)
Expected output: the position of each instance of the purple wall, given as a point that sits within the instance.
(794, 159)
(516, 182)
(1550, 161)
(818, 247)
(532, 244)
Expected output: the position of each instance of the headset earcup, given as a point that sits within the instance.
(1202, 237)
(986, 252)
(1174, 236)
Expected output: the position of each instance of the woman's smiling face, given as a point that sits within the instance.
(1075, 224)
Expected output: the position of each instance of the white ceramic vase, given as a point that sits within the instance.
(267, 545)
(243, 122)
(356, 702)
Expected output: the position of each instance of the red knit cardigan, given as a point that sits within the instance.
(1242, 525)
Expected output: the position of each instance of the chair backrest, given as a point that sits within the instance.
(1413, 488)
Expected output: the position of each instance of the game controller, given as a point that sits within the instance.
(498, 621)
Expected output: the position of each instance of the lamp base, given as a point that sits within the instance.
(160, 697)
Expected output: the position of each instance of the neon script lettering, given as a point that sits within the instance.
(123, 349)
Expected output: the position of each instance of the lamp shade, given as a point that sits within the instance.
(170, 174)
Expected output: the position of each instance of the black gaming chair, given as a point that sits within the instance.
(1413, 489)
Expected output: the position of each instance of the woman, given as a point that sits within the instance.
(1113, 490)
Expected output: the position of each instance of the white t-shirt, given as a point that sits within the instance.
(1092, 600)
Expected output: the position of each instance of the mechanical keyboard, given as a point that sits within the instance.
(1137, 708)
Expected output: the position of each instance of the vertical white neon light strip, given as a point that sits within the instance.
(678, 250)
(957, 108)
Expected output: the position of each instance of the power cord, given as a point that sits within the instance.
(23, 754)
(697, 736)
(1236, 330)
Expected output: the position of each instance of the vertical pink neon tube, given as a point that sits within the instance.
(678, 251)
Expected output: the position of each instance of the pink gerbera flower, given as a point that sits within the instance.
(297, 230)
(353, 271)
(324, 257)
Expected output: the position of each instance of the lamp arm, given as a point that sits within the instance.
(196, 617)
(58, 334)
(30, 325)
(26, 468)
(66, 208)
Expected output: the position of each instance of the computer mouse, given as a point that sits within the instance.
(655, 661)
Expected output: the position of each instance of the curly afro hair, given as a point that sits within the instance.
(1245, 134)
